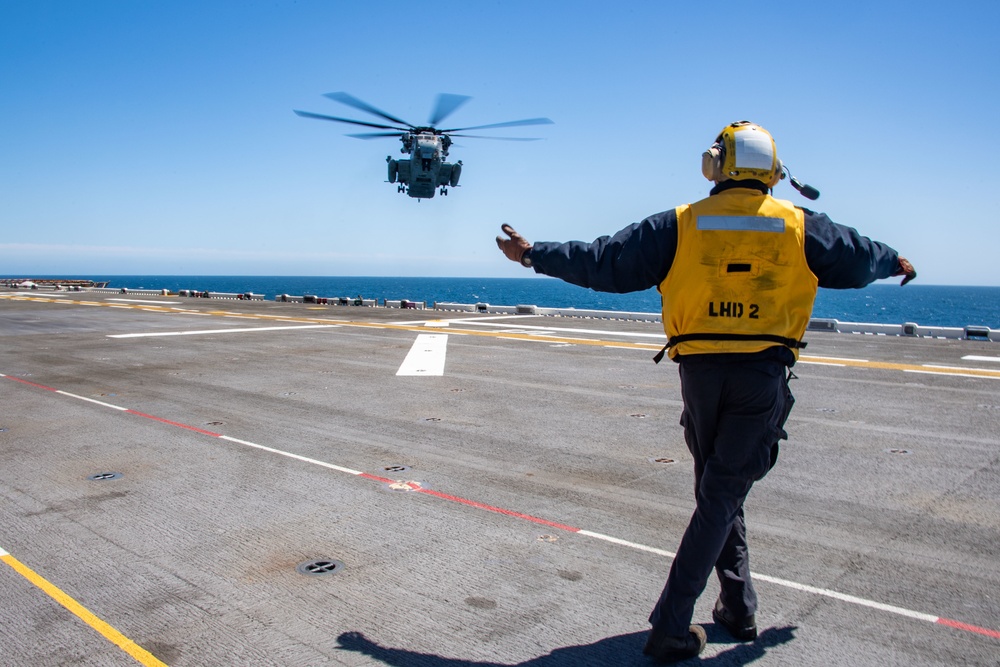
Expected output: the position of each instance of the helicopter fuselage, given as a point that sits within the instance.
(426, 170)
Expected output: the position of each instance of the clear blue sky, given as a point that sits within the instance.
(154, 137)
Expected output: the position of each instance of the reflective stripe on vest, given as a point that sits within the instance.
(739, 281)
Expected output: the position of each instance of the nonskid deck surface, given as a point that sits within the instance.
(308, 485)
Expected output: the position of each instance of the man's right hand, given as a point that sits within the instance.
(514, 247)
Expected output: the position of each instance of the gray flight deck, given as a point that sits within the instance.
(516, 506)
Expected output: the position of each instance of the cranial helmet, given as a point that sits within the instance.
(743, 151)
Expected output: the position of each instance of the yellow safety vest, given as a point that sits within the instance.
(739, 281)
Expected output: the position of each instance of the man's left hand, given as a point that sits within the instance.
(905, 269)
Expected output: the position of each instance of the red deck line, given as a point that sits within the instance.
(33, 384)
(178, 424)
(969, 628)
(384, 480)
(498, 510)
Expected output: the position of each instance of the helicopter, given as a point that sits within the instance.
(426, 170)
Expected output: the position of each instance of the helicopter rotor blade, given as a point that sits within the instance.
(476, 136)
(376, 135)
(319, 116)
(512, 123)
(446, 105)
(351, 101)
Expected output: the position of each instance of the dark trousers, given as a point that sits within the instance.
(733, 417)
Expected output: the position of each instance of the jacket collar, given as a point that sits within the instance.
(749, 184)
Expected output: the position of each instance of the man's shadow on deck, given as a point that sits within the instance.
(619, 650)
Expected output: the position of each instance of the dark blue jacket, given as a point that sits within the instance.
(639, 256)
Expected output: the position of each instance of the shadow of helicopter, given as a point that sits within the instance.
(426, 169)
(621, 650)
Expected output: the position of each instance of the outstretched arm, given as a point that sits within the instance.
(636, 258)
(843, 259)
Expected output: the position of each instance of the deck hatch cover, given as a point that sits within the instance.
(104, 476)
(662, 460)
(319, 567)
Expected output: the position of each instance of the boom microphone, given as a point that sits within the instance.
(807, 191)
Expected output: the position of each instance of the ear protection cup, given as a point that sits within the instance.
(779, 173)
(711, 163)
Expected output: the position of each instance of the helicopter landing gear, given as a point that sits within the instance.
(444, 191)
(401, 188)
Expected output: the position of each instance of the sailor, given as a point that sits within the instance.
(737, 273)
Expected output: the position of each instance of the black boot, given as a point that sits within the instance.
(744, 629)
(662, 648)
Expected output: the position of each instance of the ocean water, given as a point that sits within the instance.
(884, 303)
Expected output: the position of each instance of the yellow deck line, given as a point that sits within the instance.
(140, 654)
(892, 366)
(879, 365)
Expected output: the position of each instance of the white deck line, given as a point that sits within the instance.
(218, 331)
(297, 457)
(820, 363)
(957, 375)
(844, 597)
(91, 400)
(159, 303)
(426, 356)
(959, 368)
